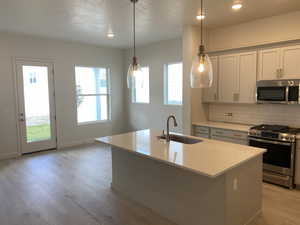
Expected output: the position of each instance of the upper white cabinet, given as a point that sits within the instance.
(211, 94)
(269, 64)
(247, 63)
(290, 65)
(279, 63)
(228, 78)
(237, 77)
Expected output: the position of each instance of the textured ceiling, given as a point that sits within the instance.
(90, 20)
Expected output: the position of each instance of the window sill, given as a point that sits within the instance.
(175, 105)
(141, 103)
(93, 123)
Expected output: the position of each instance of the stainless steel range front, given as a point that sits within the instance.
(279, 160)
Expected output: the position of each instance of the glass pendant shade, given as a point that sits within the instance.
(202, 73)
(134, 71)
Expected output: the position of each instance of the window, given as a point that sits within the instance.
(92, 94)
(32, 78)
(140, 87)
(173, 84)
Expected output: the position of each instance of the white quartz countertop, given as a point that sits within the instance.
(209, 157)
(222, 125)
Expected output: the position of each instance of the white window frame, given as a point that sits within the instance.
(166, 86)
(108, 74)
(133, 91)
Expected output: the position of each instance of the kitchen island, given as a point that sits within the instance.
(207, 183)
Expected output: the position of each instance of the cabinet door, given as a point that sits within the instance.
(202, 135)
(269, 64)
(247, 77)
(290, 62)
(228, 78)
(201, 129)
(297, 166)
(231, 140)
(211, 94)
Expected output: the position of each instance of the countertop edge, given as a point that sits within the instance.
(224, 125)
(179, 166)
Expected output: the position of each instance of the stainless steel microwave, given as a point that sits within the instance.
(278, 91)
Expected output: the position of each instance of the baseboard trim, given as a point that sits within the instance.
(59, 147)
(76, 143)
(254, 218)
(9, 155)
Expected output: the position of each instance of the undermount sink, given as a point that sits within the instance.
(181, 139)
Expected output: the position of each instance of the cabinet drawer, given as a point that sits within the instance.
(201, 135)
(203, 130)
(232, 140)
(229, 134)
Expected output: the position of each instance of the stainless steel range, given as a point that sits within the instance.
(279, 160)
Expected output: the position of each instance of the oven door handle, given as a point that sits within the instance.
(270, 142)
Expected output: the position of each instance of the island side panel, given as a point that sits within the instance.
(244, 193)
(184, 197)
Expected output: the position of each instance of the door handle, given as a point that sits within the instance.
(278, 73)
(236, 97)
(281, 72)
(22, 117)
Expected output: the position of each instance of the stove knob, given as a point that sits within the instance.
(287, 138)
(253, 132)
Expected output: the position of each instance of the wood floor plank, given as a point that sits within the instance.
(72, 187)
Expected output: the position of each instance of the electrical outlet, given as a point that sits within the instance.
(235, 184)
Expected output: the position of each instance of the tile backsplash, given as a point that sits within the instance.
(256, 114)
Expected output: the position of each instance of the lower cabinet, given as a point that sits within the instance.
(200, 131)
(232, 140)
(297, 169)
(202, 135)
(237, 137)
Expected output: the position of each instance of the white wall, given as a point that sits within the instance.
(154, 115)
(64, 55)
(258, 32)
(193, 109)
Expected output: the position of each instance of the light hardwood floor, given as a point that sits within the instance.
(72, 187)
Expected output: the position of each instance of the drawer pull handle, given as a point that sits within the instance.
(202, 130)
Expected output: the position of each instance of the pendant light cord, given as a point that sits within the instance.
(134, 53)
(202, 22)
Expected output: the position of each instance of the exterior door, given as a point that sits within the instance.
(36, 106)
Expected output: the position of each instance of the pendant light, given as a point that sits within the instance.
(134, 69)
(201, 73)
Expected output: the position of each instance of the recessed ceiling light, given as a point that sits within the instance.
(200, 17)
(110, 35)
(237, 5)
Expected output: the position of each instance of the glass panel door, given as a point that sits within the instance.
(36, 104)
